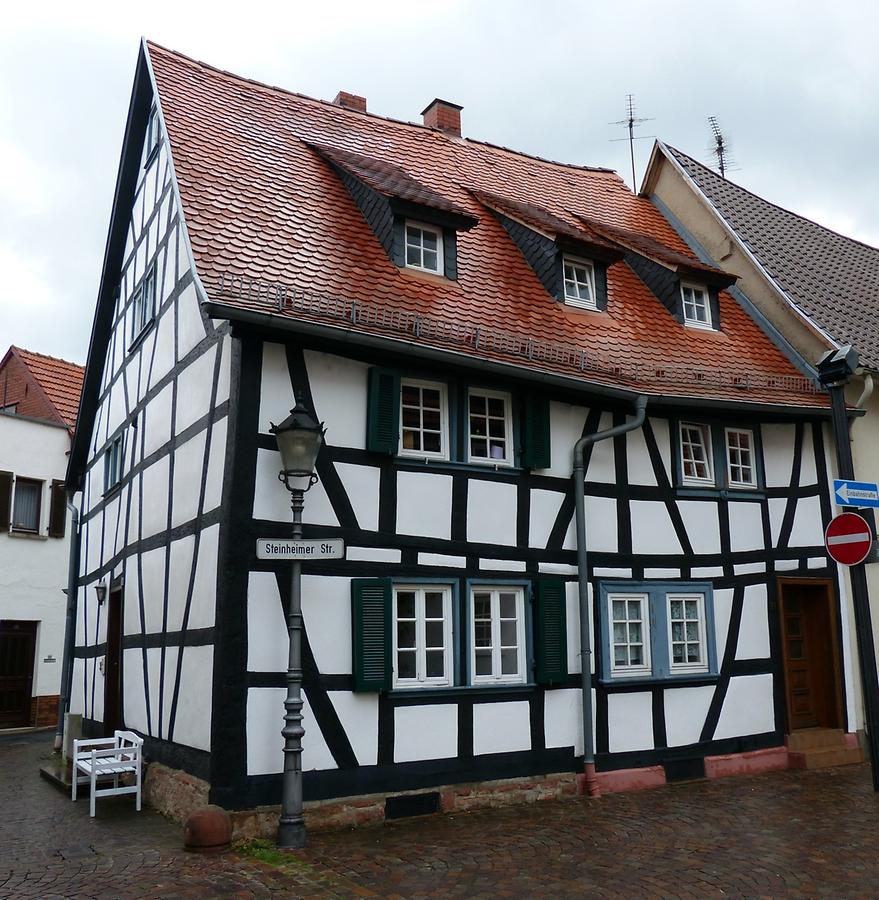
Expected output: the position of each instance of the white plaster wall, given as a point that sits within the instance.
(358, 714)
(723, 599)
(778, 453)
(426, 732)
(685, 712)
(640, 469)
(601, 464)
(192, 725)
(326, 610)
(630, 722)
(562, 719)
(601, 526)
(491, 512)
(267, 643)
(426, 507)
(702, 524)
(153, 581)
(545, 506)
(361, 484)
(652, 529)
(194, 386)
(155, 497)
(747, 708)
(272, 502)
(203, 605)
(178, 580)
(808, 528)
(566, 428)
(501, 727)
(745, 526)
(754, 630)
(276, 392)
(33, 570)
(339, 388)
(157, 421)
(188, 464)
(190, 325)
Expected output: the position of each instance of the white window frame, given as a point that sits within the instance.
(153, 131)
(495, 590)
(444, 419)
(576, 300)
(432, 229)
(687, 667)
(708, 324)
(752, 450)
(627, 671)
(705, 431)
(507, 399)
(421, 680)
(40, 487)
(144, 304)
(113, 463)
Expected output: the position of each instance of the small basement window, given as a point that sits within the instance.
(579, 283)
(697, 312)
(424, 247)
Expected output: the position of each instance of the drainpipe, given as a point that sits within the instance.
(70, 625)
(579, 476)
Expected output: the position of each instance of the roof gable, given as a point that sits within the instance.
(40, 386)
(831, 279)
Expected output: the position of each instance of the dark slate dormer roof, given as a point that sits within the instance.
(831, 279)
(551, 226)
(656, 252)
(392, 182)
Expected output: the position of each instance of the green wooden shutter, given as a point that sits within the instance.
(57, 510)
(5, 499)
(551, 633)
(383, 413)
(536, 453)
(371, 633)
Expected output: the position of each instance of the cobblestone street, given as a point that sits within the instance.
(786, 834)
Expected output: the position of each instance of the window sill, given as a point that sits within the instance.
(27, 535)
(141, 337)
(653, 680)
(418, 464)
(721, 493)
(112, 491)
(470, 690)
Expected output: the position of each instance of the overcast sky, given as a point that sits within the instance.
(792, 84)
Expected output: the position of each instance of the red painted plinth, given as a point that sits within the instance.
(754, 762)
(630, 779)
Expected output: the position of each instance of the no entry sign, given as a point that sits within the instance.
(848, 539)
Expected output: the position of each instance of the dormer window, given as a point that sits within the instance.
(579, 277)
(697, 311)
(424, 247)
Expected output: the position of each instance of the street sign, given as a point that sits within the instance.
(278, 548)
(856, 493)
(848, 539)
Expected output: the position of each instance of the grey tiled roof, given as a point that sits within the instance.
(833, 279)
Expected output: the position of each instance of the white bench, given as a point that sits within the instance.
(100, 760)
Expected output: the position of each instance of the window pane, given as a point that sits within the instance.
(635, 657)
(677, 609)
(619, 633)
(482, 605)
(435, 663)
(620, 656)
(634, 632)
(431, 419)
(479, 448)
(430, 398)
(619, 609)
(677, 631)
(26, 511)
(413, 256)
(411, 417)
(692, 609)
(406, 605)
(432, 442)
(483, 662)
(693, 654)
(406, 664)
(433, 605)
(482, 633)
(508, 606)
(411, 395)
(509, 637)
(433, 634)
(405, 634)
(509, 662)
(430, 260)
(496, 407)
(634, 609)
(497, 428)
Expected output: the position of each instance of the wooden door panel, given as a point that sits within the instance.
(17, 645)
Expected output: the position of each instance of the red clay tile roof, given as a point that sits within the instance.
(61, 382)
(261, 205)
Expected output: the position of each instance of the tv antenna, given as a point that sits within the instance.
(720, 147)
(631, 122)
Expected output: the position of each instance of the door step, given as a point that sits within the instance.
(820, 748)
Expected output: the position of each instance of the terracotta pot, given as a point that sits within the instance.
(208, 830)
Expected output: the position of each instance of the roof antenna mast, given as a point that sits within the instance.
(720, 147)
(631, 122)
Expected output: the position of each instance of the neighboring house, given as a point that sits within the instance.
(39, 397)
(459, 315)
(811, 288)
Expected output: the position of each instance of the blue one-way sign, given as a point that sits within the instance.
(856, 493)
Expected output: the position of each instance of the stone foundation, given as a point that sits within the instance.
(173, 792)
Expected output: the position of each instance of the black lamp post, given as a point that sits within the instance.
(299, 437)
(834, 370)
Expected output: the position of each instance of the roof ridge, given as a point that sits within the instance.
(403, 122)
(778, 206)
(66, 362)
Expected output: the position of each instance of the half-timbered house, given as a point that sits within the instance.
(459, 315)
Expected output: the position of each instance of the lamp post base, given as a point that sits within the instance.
(291, 833)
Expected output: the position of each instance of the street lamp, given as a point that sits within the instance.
(299, 437)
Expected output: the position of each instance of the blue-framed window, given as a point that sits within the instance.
(657, 630)
(717, 456)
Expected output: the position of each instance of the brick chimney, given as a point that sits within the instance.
(443, 116)
(350, 101)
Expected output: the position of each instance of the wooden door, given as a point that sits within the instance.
(18, 641)
(808, 637)
(113, 664)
